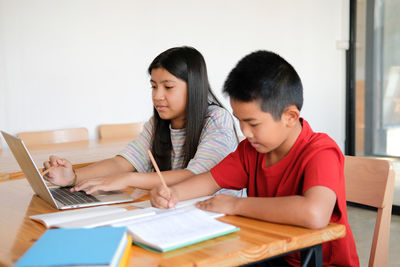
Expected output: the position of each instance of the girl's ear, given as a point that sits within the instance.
(291, 115)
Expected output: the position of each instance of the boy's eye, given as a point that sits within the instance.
(254, 125)
(168, 87)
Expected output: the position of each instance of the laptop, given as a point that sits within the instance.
(58, 197)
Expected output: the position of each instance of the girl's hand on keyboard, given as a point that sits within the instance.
(108, 183)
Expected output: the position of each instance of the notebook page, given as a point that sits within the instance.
(177, 228)
(182, 204)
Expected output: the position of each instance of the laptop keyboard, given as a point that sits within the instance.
(67, 197)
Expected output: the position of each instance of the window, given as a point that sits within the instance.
(373, 100)
(377, 73)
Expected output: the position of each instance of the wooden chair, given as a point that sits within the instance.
(370, 182)
(40, 138)
(120, 131)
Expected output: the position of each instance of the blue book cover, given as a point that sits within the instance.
(77, 246)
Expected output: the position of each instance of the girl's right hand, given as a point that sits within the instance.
(61, 173)
(163, 198)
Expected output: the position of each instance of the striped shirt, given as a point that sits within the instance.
(217, 140)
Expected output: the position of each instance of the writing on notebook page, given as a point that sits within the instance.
(175, 229)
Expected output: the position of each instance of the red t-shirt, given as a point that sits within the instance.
(314, 160)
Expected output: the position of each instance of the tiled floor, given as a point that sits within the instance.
(362, 223)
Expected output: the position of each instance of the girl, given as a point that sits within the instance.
(189, 133)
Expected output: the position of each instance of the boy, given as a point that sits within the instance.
(292, 175)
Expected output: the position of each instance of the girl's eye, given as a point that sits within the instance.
(254, 125)
(153, 87)
(169, 87)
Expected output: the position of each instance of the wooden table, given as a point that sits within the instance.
(256, 239)
(79, 153)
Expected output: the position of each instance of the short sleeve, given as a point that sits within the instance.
(136, 151)
(324, 169)
(217, 140)
(231, 172)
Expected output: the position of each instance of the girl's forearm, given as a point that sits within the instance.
(196, 186)
(151, 179)
(105, 167)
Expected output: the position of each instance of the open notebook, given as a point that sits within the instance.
(175, 229)
(107, 215)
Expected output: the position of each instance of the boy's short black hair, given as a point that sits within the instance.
(267, 77)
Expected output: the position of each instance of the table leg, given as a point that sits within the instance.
(312, 256)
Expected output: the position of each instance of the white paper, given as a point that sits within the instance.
(107, 219)
(51, 219)
(176, 228)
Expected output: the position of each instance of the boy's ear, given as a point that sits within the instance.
(291, 115)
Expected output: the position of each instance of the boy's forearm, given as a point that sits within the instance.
(196, 186)
(294, 210)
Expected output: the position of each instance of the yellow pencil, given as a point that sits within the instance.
(46, 171)
(157, 169)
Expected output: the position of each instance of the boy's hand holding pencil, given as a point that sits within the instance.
(161, 196)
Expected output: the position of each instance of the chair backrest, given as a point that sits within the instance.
(54, 136)
(120, 131)
(371, 182)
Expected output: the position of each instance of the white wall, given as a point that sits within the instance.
(74, 63)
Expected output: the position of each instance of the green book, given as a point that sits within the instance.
(176, 228)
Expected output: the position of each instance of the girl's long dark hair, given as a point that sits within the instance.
(185, 63)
